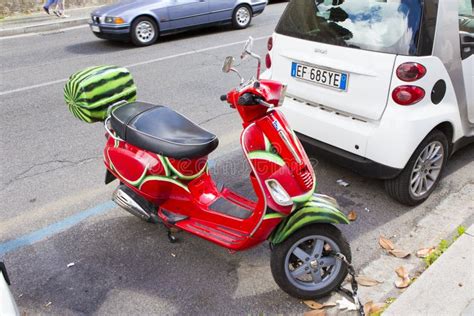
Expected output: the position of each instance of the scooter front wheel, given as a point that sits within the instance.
(304, 265)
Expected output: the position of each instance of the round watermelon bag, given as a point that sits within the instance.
(90, 92)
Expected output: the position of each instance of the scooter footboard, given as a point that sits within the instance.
(319, 209)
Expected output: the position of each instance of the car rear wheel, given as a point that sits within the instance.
(422, 172)
(242, 17)
(144, 31)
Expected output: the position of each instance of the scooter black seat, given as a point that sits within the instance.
(161, 130)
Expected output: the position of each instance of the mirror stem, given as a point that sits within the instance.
(238, 74)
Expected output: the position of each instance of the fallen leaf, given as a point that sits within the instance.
(313, 304)
(352, 216)
(345, 304)
(404, 280)
(402, 283)
(399, 253)
(402, 272)
(385, 243)
(315, 312)
(329, 304)
(375, 309)
(366, 281)
(425, 252)
(367, 307)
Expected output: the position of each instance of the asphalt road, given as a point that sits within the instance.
(52, 169)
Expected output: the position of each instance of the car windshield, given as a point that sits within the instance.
(389, 26)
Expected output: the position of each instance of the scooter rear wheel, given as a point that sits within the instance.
(303, 265)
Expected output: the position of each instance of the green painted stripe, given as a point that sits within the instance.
(326, 211)
(182, 176)
(272, 216)
(164, 179)
(263, 155)
(164, 164)
(305, 197)
(268, 145)
(306, 221)
(136, 183)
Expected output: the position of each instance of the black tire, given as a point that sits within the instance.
(281, 273)
(144, 40)
(399, 187)
(236, 22)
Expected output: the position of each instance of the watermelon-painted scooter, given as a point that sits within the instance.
(160, 159)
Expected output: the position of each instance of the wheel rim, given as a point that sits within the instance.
(243, 16)
(426, 169)
(145, 31)
(308, 265)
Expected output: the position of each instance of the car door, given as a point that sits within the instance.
(186, 13)
(221, 10)
(466, 30)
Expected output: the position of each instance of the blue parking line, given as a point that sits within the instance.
(54, 229)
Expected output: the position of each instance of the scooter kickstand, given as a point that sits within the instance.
(172, 238)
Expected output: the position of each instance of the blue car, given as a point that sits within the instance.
(143, 21)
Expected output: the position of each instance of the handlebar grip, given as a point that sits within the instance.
(223, 97)
(247, 99)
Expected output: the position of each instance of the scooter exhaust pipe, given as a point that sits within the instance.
(126, 199)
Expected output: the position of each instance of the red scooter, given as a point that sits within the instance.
(160, 159)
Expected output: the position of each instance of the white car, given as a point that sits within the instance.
(385, 87)
(7, 303)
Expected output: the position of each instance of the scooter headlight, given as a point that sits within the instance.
(278, 193)
(282, 95)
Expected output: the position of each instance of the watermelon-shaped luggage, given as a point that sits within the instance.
(90, 92)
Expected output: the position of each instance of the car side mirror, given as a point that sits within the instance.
(228, 64)
(467, 44)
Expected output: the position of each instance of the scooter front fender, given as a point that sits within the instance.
(319, 209)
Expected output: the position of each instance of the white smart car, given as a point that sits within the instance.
(384, 86)
(7, 303)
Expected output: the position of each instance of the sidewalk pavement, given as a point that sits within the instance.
(446, 287)
(42, 22)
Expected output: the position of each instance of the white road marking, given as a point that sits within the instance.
(192, 52)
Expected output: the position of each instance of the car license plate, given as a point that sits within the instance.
(95, 29)
(324, 77)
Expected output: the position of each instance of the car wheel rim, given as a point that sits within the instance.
(145, 31)
(243, 16)
(427, 169)
(308, 264)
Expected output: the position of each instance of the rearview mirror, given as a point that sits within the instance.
(228, 63)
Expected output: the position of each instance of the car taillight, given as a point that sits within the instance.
(410, 72)
(270, 44)
(408, 95)
(268, 61)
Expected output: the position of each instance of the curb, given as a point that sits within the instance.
(446, 287)
(43, 27)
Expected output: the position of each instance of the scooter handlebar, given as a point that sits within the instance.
(223, 97)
